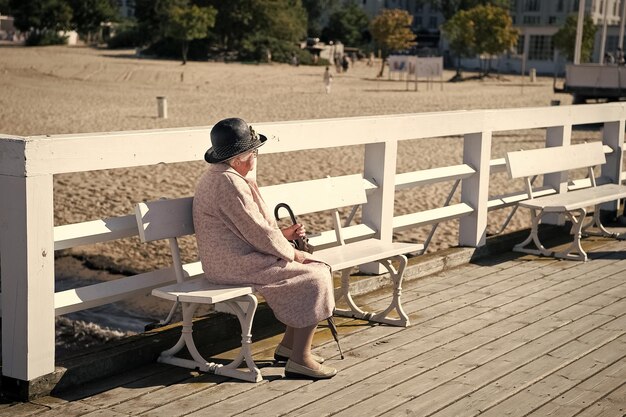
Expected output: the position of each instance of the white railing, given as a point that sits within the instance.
(28, 237)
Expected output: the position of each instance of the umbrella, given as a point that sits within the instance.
(302, 244)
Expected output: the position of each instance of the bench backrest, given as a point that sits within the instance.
(317, 195)
(557, 159)
(164, 219)
(169, 219)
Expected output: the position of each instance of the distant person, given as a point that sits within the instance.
(619, 56)
(345, 63)
(239, 243)
(328, 79)
(608, 58)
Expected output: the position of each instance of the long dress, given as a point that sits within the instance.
(239, 242)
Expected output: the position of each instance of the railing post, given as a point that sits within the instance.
(27, 267)
(380, 167)
(613, 136)
(557, 136)
(475, 189)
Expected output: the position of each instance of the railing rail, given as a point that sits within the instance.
(28, 237)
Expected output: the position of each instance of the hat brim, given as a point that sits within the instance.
(210, 157)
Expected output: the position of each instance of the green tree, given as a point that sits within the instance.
(565, 39)
(316, 10)
(5, 8)
(483, 30)
(451, 7)
(459, 30)
(493, 32)
(87, 15)
(188, 23)
(251, 27)
(347, 24)
(42, 19)
(391, 31)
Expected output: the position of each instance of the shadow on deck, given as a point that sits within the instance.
(496, 334)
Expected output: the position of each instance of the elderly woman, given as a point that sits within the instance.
(239, 242)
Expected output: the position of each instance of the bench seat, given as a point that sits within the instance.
(343, 258)
(364, 251)
(199, 290)
(574, 200)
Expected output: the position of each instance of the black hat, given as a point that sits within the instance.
(232, 137)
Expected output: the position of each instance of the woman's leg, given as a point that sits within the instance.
(301, 349)
(288, 338)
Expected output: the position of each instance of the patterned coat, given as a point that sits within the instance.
(239, 242)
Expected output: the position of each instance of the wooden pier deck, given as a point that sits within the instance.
(509, 336)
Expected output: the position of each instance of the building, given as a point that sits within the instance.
(537, 21)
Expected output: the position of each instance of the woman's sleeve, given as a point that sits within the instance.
(238, 206)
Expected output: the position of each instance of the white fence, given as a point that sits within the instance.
(28, 237)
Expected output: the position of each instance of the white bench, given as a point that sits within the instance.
(170, 219)
(534, 162)
(346, 246)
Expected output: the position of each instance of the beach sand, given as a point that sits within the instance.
(57, 90)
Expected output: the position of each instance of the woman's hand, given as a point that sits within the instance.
(300, 256)
(294, 231)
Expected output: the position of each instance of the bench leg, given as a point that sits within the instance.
(201, 364)
(575, 250)
(533, 237)
(596, 223)
(355, 312)
(244, 308)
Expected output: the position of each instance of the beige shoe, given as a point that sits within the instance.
(295, 370)
(282, 354)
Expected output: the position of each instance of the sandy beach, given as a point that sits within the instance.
(57, 90)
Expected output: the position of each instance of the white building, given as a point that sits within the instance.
(537, 21)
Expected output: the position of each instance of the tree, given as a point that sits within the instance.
(459, 31)
(252, 27)
(483, 30)
(347, 24)
(42, 19)
(188, 23)
(316, 9)
(89, 14)
(391, 31)
(5, 8)
(565, 39)
(451, 7)
(493, 32)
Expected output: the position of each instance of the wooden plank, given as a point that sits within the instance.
(555, 159)
(84, 152)
(96, 231)
(436, 215)
(548, 383)
(528, 331)
(396, 355)
(433, 175)
(506, 200)
(81, 298)
(27, 264)
(419, 393)
(588, 393)
(611, 405)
